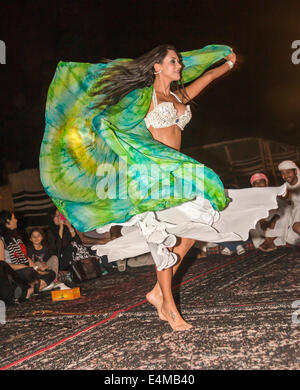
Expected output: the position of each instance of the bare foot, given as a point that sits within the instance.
(175, 320)
(156, 300)
(267, 246)
(29, 292)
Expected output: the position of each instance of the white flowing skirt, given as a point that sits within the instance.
(155, 231)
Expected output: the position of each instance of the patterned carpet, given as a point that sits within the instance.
(240, 307)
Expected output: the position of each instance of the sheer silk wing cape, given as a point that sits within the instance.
(103, 166)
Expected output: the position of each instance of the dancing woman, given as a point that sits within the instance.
(114, 122)
(167, 116)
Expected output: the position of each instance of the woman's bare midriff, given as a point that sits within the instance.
(170, 136)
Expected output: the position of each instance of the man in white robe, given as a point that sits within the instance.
(287, 227)
(290, 173)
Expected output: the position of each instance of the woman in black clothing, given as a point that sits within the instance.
(61, 239)
(65, 242)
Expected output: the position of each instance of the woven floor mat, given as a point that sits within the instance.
(240, 308)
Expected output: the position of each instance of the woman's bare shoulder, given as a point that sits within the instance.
(182, 95)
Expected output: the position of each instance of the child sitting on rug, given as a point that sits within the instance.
(40, 253)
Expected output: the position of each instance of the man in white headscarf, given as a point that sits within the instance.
(290, 173)
(287, 227)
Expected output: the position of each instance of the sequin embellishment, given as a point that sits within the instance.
(165, 115)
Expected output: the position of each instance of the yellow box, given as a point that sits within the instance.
(62, 295)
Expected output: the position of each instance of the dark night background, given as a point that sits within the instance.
(259, 98)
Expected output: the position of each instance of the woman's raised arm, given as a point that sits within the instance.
(198, 85)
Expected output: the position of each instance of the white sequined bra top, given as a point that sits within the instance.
(165, 114)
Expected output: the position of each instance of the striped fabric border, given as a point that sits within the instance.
(31, 203)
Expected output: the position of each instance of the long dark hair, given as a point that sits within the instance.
(51, 225)
(6, 233)
(125, 76)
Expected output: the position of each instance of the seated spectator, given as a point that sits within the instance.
(258, 235)
(65, 242)
(61, 235)
(228, 248)
(272, 232)
(259, 180)
(14, 252)
(40, 254)
(290, 231)
(12, 287)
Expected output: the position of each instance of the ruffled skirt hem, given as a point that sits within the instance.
(196, 219)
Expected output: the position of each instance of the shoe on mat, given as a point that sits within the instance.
(240, 250)
(61, 286)
(49, 287)
(226, 252)
(121, 265)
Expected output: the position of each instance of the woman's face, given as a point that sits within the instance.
(36, 238)
(12, 223)
(56, 218)
(170, 66)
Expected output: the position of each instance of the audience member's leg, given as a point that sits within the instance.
(46, 279)
(53, 264)
(66, 258)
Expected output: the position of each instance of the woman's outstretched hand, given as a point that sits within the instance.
(231, 57)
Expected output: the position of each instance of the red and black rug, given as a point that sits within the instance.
(240, 307)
